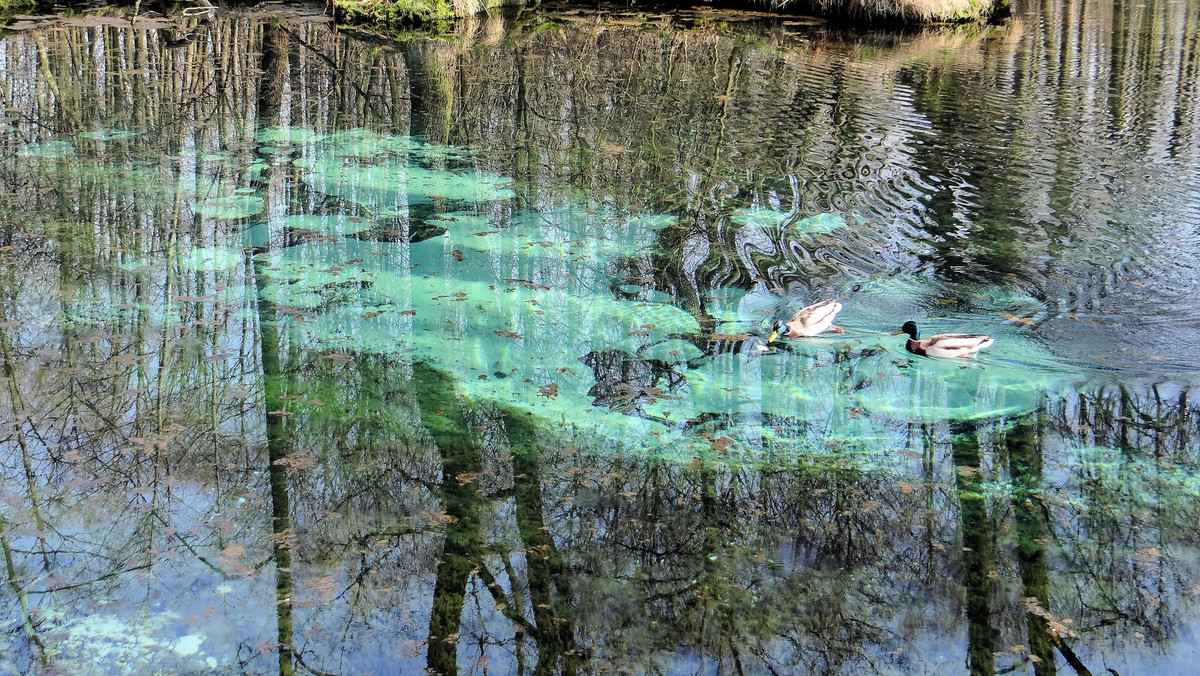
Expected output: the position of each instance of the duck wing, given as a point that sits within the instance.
(815, 314)
(955, 344)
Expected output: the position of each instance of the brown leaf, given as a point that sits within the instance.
(721, 444)
(325, 587)
(1146, 557)
(296, 462)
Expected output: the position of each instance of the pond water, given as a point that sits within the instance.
(326, 355)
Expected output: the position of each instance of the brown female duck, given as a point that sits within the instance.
(809, 321)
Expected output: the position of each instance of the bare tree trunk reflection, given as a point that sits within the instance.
(977, 539)
(462, 553)
(1033, 532)
(14, 581)
(431, 66)
(549, 584)
(277, 380)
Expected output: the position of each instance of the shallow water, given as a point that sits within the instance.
(329, 356)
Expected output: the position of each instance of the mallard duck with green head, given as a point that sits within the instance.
(943, 345)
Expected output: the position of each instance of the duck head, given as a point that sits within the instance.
(778, 328)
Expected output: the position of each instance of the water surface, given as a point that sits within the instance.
(329, 356)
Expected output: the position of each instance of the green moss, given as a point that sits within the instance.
(410, 12)
(397, 12)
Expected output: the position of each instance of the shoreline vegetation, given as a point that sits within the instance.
(407, 13)
(393, 19)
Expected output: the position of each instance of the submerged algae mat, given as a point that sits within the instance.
(404, 249)
(389, 245)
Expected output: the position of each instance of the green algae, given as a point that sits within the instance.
(210, 258)
(472, 187)
(49, 150)
(653, 221)
(513, 304)
(771, 218)
(672, 351)
(495, 303)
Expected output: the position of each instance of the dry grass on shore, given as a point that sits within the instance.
(913, 11)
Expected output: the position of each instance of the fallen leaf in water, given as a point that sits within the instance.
(296, 462)
(1015, 319)
(1146, 557)
(465, 478)
(325, 587)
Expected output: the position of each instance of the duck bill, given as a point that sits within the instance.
(897, 332)
(774, 335)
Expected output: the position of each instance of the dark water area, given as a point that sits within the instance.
(326, 354)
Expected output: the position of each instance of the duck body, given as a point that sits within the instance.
(809, 321)
(943, 345)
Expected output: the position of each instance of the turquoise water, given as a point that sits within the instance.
(331, 357)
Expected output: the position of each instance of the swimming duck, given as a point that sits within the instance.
(809, 321)
(944, 345)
